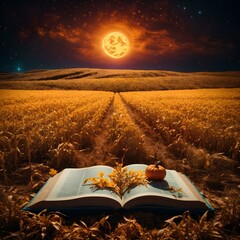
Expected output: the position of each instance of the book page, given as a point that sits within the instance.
(45, 190)
(71, 184)
(195, 191)
(172, 187)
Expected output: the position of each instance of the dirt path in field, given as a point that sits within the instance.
(100, 153)
(103, 144)
(156, 150)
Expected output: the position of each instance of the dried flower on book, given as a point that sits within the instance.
(102, 182)
(176, 192)
(52, 172)
(120, 180)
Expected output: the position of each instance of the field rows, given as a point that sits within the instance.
(203, 118)
(46, 121)
(52, 126)
(117, 80)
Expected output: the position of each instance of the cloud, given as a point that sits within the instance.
(156, 43)
(88, 41)
(214, 46)
(145, 42)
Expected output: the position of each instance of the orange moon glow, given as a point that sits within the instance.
(115, 45)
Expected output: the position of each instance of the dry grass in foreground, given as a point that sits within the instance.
(18, 224)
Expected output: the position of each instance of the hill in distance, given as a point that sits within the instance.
(117, 80)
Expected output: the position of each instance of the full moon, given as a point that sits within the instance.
(115, 44)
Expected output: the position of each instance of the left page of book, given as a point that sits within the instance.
(71, 191)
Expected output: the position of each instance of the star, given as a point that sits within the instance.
(18, 69)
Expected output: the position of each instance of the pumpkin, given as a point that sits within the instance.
(155, 171)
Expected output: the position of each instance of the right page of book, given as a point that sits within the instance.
(172, 187)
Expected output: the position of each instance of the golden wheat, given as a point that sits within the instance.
(205, 118)
(37, 124)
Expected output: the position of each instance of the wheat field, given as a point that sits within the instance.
(194, 131)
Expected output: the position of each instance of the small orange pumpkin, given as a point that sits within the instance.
(155, 171)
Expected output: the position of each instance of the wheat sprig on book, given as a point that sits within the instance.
(120, 180)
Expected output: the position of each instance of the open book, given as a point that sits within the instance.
(67, 191)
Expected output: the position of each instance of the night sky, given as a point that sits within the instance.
(169, 35)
